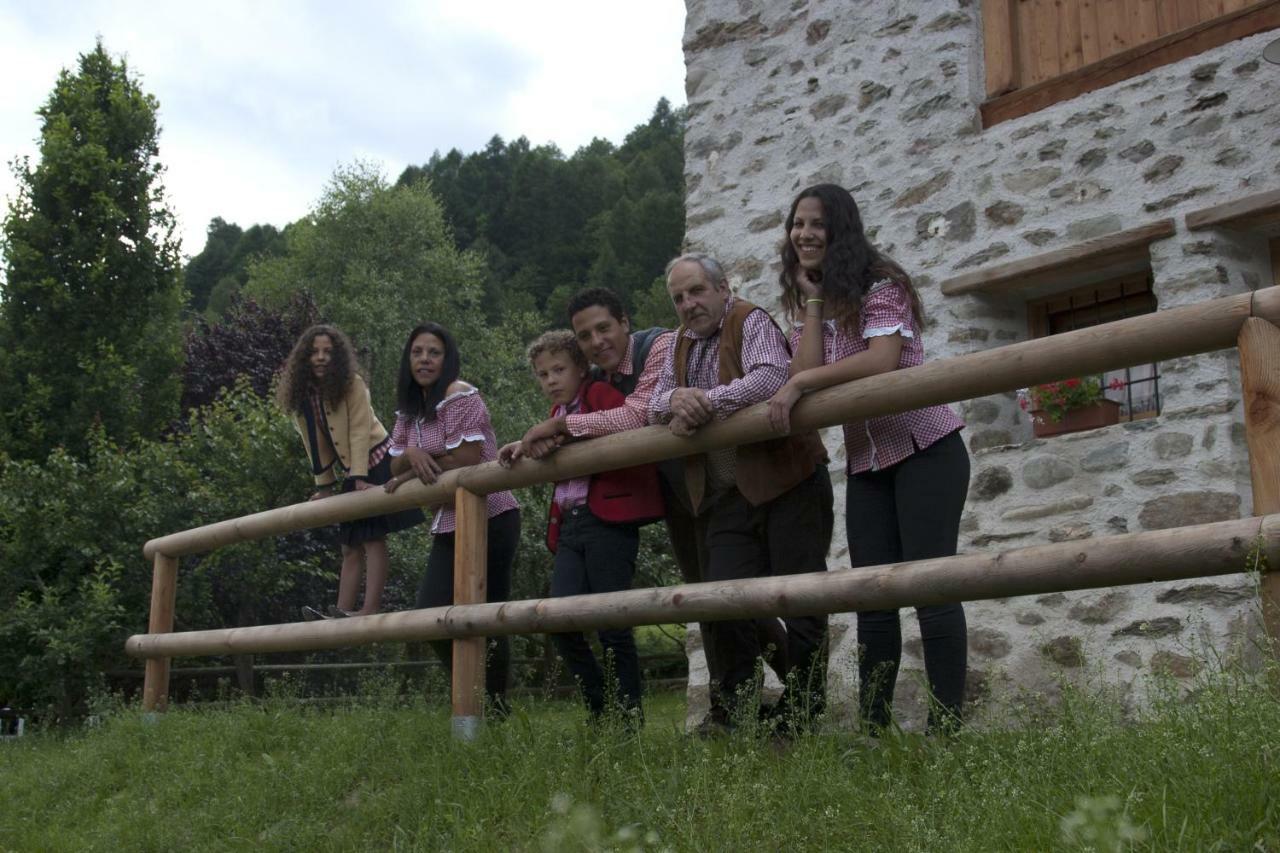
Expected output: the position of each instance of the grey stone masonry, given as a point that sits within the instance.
(882, 97)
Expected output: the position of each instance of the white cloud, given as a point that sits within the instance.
(260, 101)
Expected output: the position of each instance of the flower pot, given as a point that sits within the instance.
(1095, 415)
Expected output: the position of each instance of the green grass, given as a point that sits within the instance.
(1195, 772)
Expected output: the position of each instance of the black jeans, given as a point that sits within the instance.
(436, 590)
(910, 511)
(789, 535)
(595, 556)
(688, 547)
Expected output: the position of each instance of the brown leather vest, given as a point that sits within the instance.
(766, 469)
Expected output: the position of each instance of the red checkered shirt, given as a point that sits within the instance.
(571, 493)
(634, 411)
(877, 443)
(765, 362)
(460, 417)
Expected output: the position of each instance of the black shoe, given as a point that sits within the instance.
(712, 728)
(311, 614)
(336, 612)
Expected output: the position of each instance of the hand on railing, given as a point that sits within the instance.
(781, 404)
(508, 454)
(423, 464)
(693, 406)
(543, 439)
(320, 495)
(680, 426)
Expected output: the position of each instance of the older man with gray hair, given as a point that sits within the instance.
(762, 509)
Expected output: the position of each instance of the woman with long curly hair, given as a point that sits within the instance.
(443, 423)
(322, 389)
(857, 314)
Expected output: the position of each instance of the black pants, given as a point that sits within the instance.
(910, 511)
(789, 535)
(595, 556)
(436, 590)
(688, 547)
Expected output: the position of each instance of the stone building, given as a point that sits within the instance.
(1026, 195)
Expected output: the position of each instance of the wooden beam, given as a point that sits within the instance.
(164, 590)
(1260, 388)
(1221, 548)
(1133, 61)
(1189, 330)
(1070, 265)
(998, 46)
(470, 570)
(1258, 212)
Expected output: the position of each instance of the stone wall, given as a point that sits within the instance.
(881, 96)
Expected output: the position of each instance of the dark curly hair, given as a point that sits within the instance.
(850, 265)
(296, 379)
(415, 401)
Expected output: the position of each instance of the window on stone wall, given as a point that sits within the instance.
(1040, 52)
(1138, 389)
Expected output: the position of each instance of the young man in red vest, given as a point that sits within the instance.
(761, 509)
(632, 362)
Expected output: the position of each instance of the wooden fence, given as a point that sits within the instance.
(1247, 321)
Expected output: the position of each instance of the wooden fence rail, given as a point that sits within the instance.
(1247, 321)
(1224, 547)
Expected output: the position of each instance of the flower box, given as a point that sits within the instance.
(1099, 414)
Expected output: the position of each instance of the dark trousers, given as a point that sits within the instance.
(595, 556)
(910, 511)
(688, 547)
(436, 590)
(788, 535)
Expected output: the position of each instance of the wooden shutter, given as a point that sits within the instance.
(1086, 44)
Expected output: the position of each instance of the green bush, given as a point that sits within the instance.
(73, 581)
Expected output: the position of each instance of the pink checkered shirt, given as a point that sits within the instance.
(460, 417)
(571, 493)
(877, 443)
(634, 411)
(765, 362)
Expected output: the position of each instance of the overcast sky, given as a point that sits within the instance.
(259, 101)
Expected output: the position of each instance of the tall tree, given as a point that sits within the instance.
(90, 306)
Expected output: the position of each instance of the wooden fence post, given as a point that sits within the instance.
(1259, 344)
(470, 570)
(164, 590)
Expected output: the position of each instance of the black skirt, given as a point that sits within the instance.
(376, 527)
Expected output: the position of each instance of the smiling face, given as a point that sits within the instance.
(699, 303)
(426, 359)
(558, 376)
(321, 355)
(809, 233)
(601, 336)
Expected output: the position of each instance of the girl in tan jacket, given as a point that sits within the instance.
(329, 401)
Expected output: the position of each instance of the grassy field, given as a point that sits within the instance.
(1195, 772)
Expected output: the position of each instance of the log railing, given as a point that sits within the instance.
(1248, 321)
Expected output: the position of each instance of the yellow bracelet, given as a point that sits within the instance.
(815, 299)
